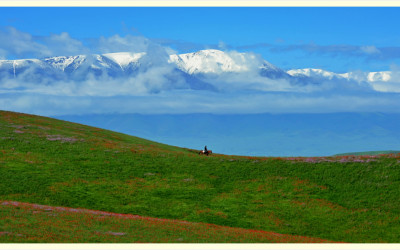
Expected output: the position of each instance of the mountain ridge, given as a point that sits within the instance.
(378, 76)
(123, 60)
(195, 63)
(203, 62)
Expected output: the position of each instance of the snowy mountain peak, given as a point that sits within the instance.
(209, 52)
(123, 59)
(313, 73)
(214, 61)
(62, 62)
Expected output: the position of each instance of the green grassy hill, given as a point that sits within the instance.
(56, 163)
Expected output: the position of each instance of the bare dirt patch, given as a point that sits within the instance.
(62, 138)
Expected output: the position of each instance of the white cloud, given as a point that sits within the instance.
(389, 87)
(117, 43)
(189, 101)
(20, 44)
(64, 45)
(17, 43)
(24, 45)
(370, 50)
(153, 80)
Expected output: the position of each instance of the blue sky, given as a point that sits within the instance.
(337, 39)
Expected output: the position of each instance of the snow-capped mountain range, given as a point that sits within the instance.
(381, 76)
(201, 62)
(191, 66)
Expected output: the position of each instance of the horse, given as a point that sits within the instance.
(202, 152)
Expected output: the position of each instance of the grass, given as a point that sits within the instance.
(66, 225)
(57, 163)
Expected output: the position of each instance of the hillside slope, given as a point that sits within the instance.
(56, 163)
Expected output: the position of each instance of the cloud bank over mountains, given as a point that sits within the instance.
(134, 74)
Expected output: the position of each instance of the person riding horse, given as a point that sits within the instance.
(205, 151)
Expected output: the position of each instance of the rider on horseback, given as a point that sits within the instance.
(205, 150)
